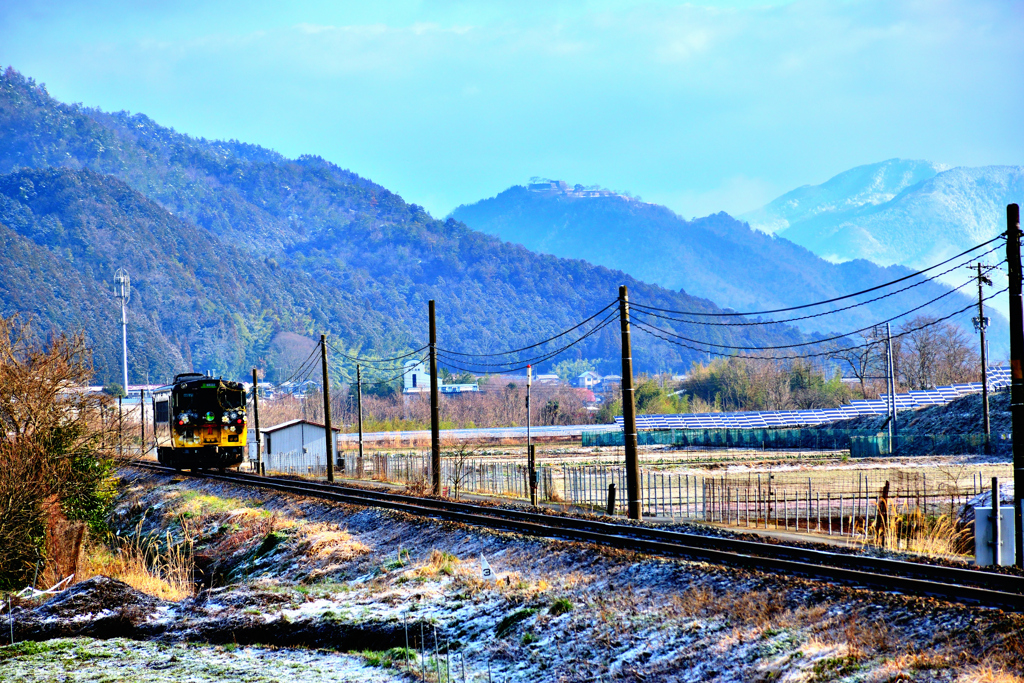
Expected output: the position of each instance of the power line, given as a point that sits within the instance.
(644, 328)
(607, 321)
(823, 313)
(829, 301)
(535, 359)
(808, 343)
(302, 367)
(392, 379)
(532, 346)
(379, 361)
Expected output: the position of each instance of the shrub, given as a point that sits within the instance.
(506, 625)
(560, 606)
(54, 478)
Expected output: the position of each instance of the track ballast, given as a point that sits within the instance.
(947, 583)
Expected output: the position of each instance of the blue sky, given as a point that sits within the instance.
(703, 107)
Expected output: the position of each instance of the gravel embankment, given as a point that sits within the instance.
(285, 572)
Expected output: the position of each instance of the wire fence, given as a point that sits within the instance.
(845, 504)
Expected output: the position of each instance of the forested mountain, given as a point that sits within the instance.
(232, 247)
(717, 257)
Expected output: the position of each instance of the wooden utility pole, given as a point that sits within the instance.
(256, 420)
(435, 428)
(980, 323)
(1016, 373)
(328, 432)
(142, 422)
(530, 464)
(633, 498)
(359, 419)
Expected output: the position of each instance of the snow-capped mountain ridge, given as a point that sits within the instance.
(869, 185)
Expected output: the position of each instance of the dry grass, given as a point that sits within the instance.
(988, 674)
(140, 563)
(910, 530)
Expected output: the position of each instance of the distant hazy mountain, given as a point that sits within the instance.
(717, 257)
(234, 250)
(925, 222)
(868, 185)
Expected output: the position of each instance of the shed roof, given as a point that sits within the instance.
(292, 423)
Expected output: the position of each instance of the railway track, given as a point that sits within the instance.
(947, 583)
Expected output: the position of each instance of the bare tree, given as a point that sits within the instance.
(53, 479)
(458, 455)
(927, 354)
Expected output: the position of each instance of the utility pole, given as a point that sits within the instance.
(256, 420)
(980, 324)
(328, 432)
(1016, 374)
(530, 464)
(892, 382)
(123, 290)
(890, 403)
(359, 419)
(142, 422)
(435, 428)
(633, 499)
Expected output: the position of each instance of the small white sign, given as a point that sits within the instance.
(485, 569)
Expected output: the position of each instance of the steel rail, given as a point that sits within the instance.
(948, 583)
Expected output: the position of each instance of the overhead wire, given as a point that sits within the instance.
(807, 343)
(371, 361)
(604, 323)
(535, 359)
(642, 327)
(302, 367)
(531, 346)
(643, 307)
(838, 298)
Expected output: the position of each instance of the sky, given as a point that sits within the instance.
(704, 107)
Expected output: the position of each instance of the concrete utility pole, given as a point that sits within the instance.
(980, 324)
(256, 420)
(328, 432)
(633, 497)
(123, 291)
(435, 428)
(1016, 373)
(890, 384)
(892, 381)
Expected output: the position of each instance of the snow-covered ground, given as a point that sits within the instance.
(297, 583)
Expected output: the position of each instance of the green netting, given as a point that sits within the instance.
(917, 444)
(816, 439)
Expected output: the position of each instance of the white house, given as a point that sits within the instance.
(587, 380)
(297, 447)
(417, 379)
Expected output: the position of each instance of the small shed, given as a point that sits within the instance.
(297, 447)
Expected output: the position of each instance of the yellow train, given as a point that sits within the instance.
(200, 423)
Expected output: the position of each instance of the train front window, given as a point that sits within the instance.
(232, 399)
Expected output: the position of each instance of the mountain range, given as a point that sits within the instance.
(912, 213)
(718, 256)
(239, 255)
